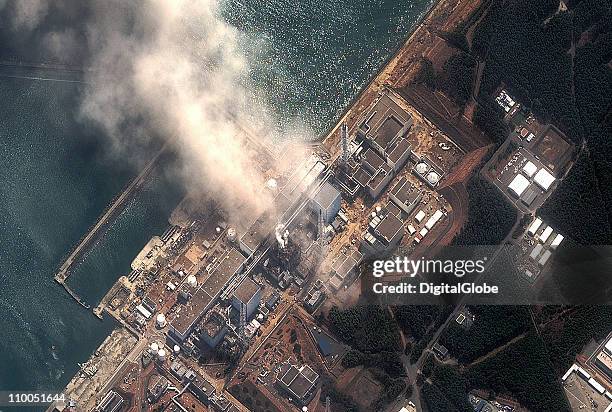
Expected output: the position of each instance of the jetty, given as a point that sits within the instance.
(105, 220)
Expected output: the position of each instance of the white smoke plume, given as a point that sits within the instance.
(175, 67)
(27, 14)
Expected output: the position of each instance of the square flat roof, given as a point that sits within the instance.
(530, 168)
(372, 160)
(393, 209)
(362, 176)
(230, 264)
(191, 312)
(326, 195)
(389, 226)
(544, 179)
(405, 192)
(518, 184)
(246, 290)
(399, 150)
(258, 231)
(387, 131)
(382, 109)
(380, 176)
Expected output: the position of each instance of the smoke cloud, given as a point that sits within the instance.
(28, 14)
(174, 69)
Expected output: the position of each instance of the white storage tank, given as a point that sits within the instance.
(161, 355)
(422, 168)
(192, 281)
(154, 348)
(433, 178)
(272, 185)
(176, 349)
(161, 320)
(231, 234)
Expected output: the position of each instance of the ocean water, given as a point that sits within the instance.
(307, 58)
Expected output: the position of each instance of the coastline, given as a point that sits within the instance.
(378, 81)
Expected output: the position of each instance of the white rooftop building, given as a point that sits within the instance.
(535, 226)
(433, 219)
(519, 184)
(544, 179)
(557, 241)
(419, 216)
(546, 234)
(529, 168)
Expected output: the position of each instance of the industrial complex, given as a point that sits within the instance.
(221, 315)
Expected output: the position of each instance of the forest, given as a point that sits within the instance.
(490, 215)
(452, 385)
(566, 335)
(375, 341)
(556, 63)
(493, 327)
(367, 328)
(523, 371)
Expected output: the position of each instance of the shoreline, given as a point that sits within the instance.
(395, 53)
(379, 80)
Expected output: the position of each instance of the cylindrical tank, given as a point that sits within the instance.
(231, 234)
(192, 281)
(161, 355)
(154, 348)
(378, 209)
(433, 178)
(176, 348)
(422, 168)
(272, 185)
(373, 215)
(161, 320)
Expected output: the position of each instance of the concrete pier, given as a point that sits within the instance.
(102, 224)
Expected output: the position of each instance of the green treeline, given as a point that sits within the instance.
(493, 327)
(490, 216)
(556, 63)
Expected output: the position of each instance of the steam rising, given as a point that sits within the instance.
(173, 69)
(28, 14)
